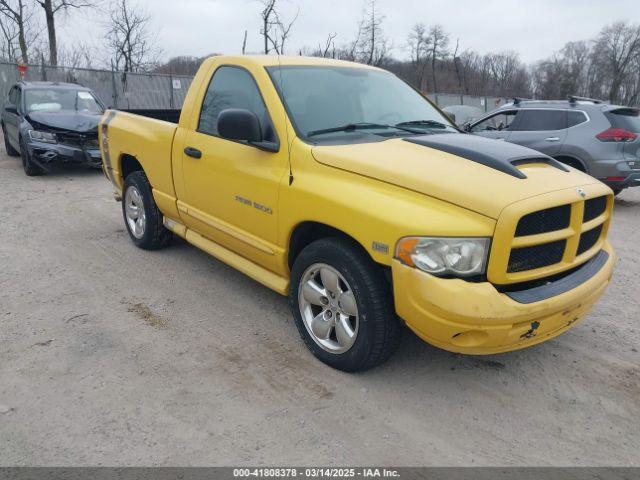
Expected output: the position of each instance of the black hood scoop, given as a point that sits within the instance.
(494, 154)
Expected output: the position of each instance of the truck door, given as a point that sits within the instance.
(496, 126)
(540, 129)
(231, 187)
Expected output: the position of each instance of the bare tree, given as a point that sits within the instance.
(617, 48)
(20, 15)
(9, 37)
(373, 46)
(437, 44)
(417, 41)
(129, 38)
(274, 30)
(78, 55)
(329, 49)
(51, 9)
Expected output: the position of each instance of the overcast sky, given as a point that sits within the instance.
(533, 28)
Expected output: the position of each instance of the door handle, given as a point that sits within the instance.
(552, 139)
(193, 152)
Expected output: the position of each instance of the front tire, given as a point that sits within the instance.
(141, 215)
(30, 168)
(343, 306)
(12, 152)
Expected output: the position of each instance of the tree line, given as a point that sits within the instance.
(28, 34)
(606, 67)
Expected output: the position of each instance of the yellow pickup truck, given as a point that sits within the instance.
(340, 186)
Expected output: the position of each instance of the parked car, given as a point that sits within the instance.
(46, 122)
(463, 114)
(337, 184)
(587, 134)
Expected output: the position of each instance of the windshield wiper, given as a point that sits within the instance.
(426, 123)
(352, 127)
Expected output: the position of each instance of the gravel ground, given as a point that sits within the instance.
(110, 355)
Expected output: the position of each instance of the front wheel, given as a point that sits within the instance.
(31, 169)
(141, 214)
(343, 305)
(12, 152)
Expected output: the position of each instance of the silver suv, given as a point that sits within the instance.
(592, 136)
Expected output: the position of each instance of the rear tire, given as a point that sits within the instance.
(30, 168)
(12, 152)
(363, 299)
(141, 215)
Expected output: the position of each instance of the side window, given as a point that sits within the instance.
(542, 120)
(233, 87)
(575, 118)
(18, 99)
(13, 95)
(498, 122)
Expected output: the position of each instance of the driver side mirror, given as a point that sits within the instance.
(11, 109)
(241, 124)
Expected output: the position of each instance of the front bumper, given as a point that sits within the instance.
(60, 153)
(475, 318)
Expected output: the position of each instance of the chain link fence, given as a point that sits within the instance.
(161, 91)
(484, 103)
(116, 89)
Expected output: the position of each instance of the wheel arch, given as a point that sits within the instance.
(129, 164)
(306, 232)
(572, 161)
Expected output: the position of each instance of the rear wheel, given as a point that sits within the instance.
(30, 168)
(141, 214)
(343, 305)
(12, 152)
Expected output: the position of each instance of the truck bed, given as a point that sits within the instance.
(168, 115)
(152, 148)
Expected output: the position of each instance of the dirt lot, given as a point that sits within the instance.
(110, 355)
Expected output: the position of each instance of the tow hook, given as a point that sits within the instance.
(532, 331)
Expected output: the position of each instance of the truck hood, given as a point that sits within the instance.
(65, 120)
(475, 173)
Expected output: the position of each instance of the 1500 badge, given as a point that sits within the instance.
(253, 204)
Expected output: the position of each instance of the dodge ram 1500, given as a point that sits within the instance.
(339, 185)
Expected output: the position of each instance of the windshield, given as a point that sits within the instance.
(55, 100)
(321, 100)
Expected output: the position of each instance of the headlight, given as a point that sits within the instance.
(46, 137)
(460, 257)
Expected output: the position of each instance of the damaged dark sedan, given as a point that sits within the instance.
(46, 122)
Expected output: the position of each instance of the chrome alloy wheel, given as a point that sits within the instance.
(328, 308)
(134, 211)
